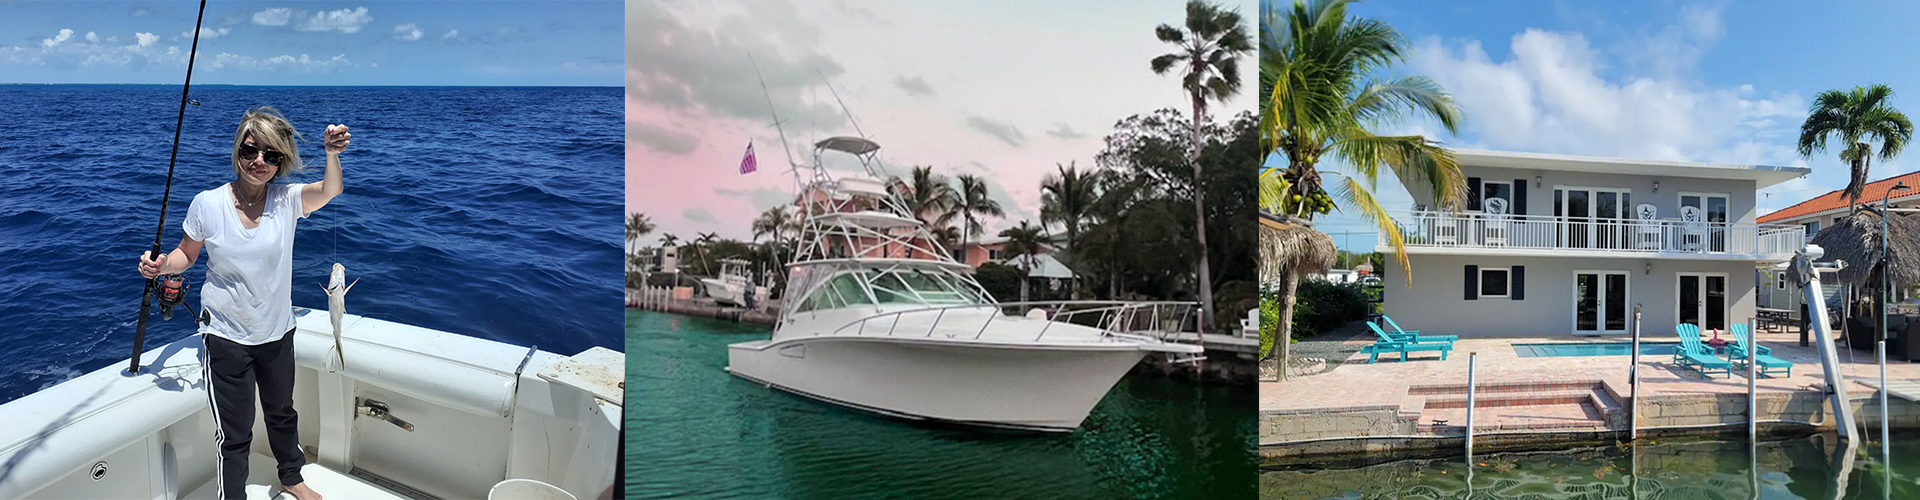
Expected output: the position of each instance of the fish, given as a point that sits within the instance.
(337, 288)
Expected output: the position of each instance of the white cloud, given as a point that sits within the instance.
(207, 33)
(62, 37)
(343, 20)
(146, 39)
(273, 17)
(1550, 97)
(451, 34)
(407, 32)
(92, 38)
(303, 64)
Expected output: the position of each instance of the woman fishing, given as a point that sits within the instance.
(246, 226)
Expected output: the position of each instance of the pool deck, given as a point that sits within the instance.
(1425, 396)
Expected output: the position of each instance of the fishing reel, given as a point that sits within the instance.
(173, 292)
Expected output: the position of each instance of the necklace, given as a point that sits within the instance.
(263, 197)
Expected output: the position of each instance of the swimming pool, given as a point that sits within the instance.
(1593, 349)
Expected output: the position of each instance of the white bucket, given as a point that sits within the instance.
(527, 489)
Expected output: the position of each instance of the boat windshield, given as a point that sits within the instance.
(892, 287)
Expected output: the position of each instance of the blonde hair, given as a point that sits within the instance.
(270, 130)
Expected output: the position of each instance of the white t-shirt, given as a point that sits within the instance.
(249, 288)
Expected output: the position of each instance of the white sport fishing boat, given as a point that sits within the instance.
(417, 414)
(880, 319)
(731, 286)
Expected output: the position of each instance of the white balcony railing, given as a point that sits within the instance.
(1531, 232)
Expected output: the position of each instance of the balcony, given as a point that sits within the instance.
(1429, 232)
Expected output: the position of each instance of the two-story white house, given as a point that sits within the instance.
(1567, 245)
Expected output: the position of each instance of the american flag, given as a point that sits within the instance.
(748, 164)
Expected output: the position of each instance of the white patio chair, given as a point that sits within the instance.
(1693, 229)
(1648, 227)
(1495, 231)
(1446, 230)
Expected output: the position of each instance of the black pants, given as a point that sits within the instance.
(233, 370)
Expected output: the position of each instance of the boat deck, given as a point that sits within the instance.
(263, 484)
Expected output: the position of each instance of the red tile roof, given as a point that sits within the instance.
(1837, 198)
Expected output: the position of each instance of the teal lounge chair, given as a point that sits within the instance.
(1698, 355)
(1763, 357)
(1388, 344)
(1414, 336)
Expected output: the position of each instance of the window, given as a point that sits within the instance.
(1812, 228)
(1501, 190)
(1780, 281)
(1493, 282)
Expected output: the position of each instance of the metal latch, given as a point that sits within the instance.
(378, 410)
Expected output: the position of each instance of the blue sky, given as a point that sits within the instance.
(1705, 81)
(314, 43)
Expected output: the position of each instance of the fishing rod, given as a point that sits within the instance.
(171, 288)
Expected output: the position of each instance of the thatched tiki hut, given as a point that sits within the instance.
(1856, 239)
(1289, 251)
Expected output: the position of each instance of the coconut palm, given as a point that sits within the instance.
(1207, 56)
(1321, 73)
(926, 194)
(773, 222)
(702, 242)
(1854, 118)
(972, 204)
(1023, 242)
(638, 226)
(1067, 197)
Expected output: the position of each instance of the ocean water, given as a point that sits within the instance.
(1807, 468)
(694, 432)
(487, 211)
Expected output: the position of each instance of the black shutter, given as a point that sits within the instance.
(1473, 193)
(1517, 282)
(1519, 196)
(1473, 282)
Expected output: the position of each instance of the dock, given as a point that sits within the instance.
(667, 300)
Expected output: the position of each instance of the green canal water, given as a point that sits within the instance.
(1804, 468)
(694, 431)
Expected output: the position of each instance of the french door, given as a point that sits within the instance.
(1599, 302)
(1713, 208)
(1703, 300)
(1594, 216)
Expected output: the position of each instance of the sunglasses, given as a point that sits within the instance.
(247, 152)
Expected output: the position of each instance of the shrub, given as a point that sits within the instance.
(1321, 306)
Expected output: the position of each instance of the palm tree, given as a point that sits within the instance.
(971, 204)
(947, 236)
(702, 242)
(1067, 197)
(638, 225)
(773, 222)
(1023, 242)
(1318, 71)
(1317, 68)
(927, 195)
(1854, 118)
(1207, 56)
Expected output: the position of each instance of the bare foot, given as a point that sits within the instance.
(302, 492)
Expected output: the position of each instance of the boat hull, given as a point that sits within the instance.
(1019, 386)
(725, 293)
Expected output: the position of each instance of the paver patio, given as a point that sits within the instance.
(1356, 385)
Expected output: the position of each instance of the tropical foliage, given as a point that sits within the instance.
(1855, 118)
(1207, 51)
(1322, 74)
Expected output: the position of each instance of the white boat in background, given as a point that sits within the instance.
(419, 414)
(881, 319)
(731, 286)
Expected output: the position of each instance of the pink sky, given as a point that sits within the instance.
(1001, 90)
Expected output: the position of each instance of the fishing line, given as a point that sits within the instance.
(146, 296)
